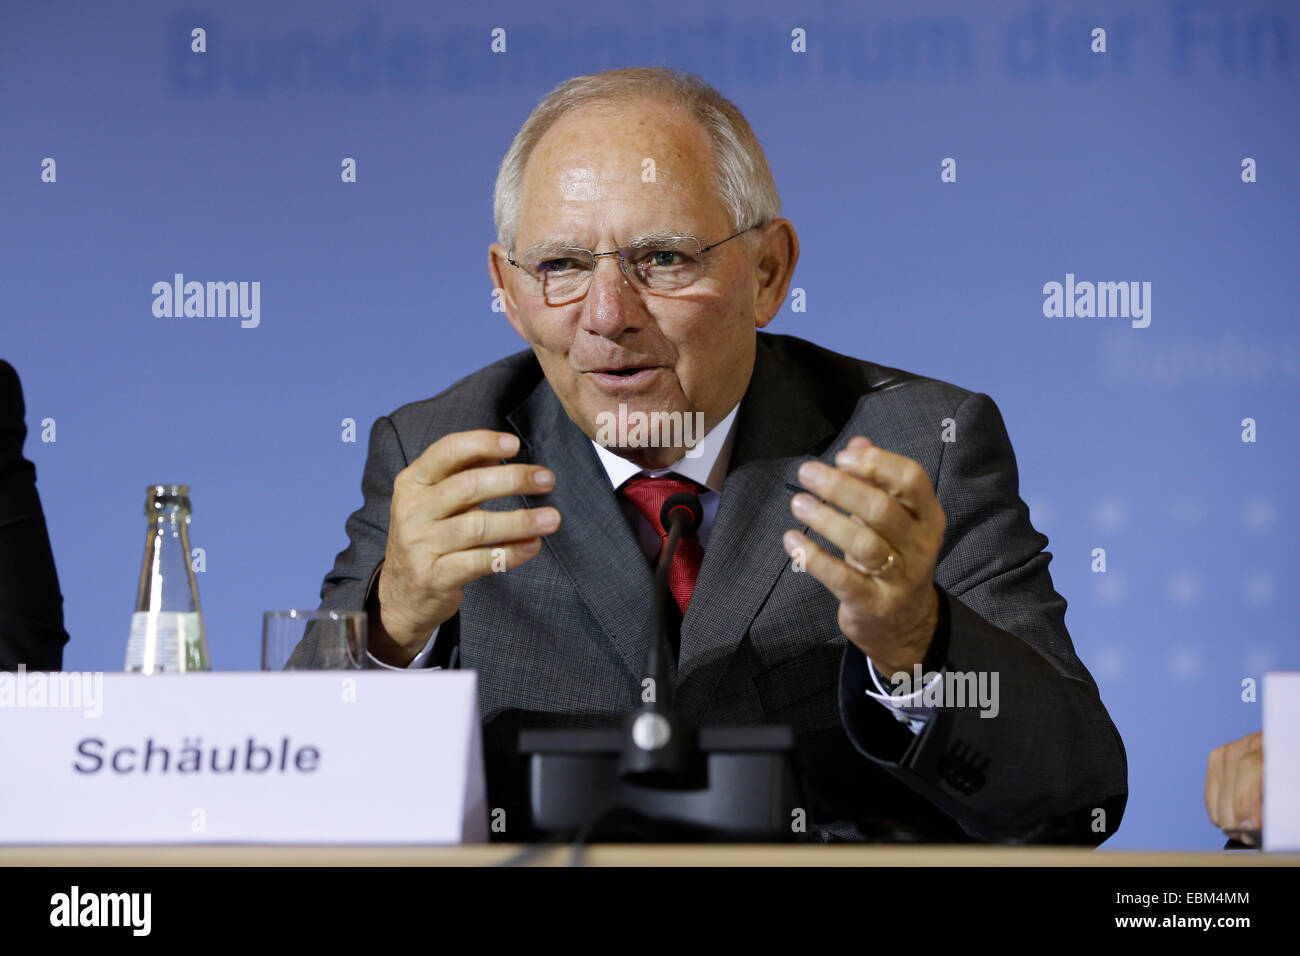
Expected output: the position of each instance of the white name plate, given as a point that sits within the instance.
(1282, 761)
(293, 757)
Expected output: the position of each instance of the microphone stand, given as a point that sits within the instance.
(656, 776)
(657, 742)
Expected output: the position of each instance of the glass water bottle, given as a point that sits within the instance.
(167, 626)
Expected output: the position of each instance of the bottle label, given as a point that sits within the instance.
(165, 642)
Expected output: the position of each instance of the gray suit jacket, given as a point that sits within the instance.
(561, 640)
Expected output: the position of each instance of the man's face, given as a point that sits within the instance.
(584, 185)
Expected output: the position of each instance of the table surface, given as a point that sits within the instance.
(625, 855)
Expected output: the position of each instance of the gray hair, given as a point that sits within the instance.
(742, 178)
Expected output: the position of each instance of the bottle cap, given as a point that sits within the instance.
(163, 497)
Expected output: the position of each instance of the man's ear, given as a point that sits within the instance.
(775, 259)
(498, 263)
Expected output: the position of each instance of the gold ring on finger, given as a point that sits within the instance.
(889, 563)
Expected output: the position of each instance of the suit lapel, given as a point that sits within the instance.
(594, 543)
(779, 426)
(790, 413)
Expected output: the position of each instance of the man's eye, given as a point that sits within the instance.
(556, 265)
(662, 258)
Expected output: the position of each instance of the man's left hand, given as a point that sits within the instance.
(889, 607)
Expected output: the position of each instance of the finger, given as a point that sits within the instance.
(1248, 784)
(1248, 797)
(473, 486)
(875, 506)
(1213, 782)
(465, 567)
(1227, 787)
(1241, 787)
(900, 476)
(863, 546)
(841, 580)
(459, 450)
(480, 528)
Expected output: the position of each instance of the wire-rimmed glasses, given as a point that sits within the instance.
(660, 263)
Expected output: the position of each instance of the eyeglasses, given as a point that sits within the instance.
(659, 263)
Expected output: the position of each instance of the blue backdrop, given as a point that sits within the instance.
(1122, 166)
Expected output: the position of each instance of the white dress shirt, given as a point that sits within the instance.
(706, 465)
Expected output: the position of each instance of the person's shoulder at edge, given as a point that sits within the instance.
(13, 425)
(11, 392)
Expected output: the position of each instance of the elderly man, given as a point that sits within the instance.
(862, 542)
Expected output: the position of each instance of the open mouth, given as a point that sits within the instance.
(634, 376)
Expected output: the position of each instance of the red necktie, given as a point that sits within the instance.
(649, 495)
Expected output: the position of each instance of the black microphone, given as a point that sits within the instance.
(682, 505)
(657, 744)
(680, 514)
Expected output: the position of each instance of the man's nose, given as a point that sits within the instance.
(613, 305)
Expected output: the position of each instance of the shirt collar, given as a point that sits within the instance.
(708, 468)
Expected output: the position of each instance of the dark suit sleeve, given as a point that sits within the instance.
(348, 584)
(31, 606)
(352, 583)
(1046, 764)
(367, 527)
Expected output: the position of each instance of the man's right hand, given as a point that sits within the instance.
(439, 540)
